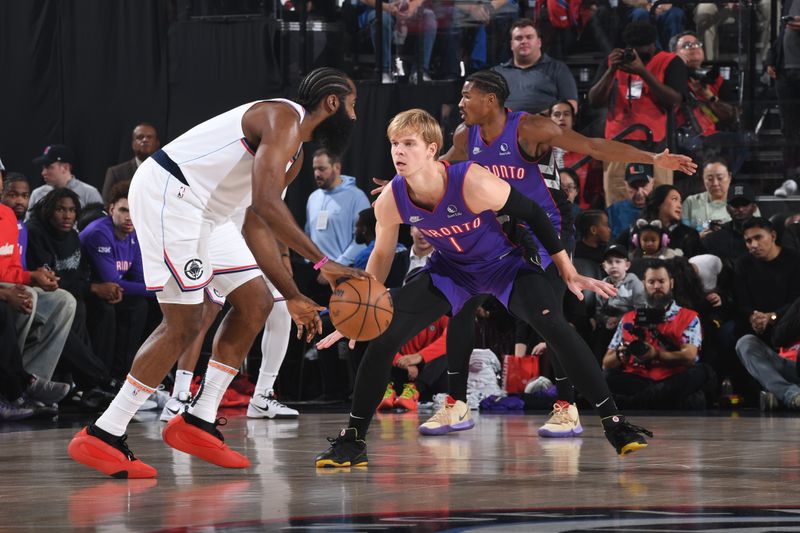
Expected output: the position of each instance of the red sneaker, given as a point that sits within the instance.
(202, 439)
(409, 399)
(108, 454)
(389, 397)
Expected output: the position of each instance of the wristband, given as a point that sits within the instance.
(321, 262)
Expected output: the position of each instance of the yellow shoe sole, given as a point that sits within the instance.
(328, 463)
(632, 447)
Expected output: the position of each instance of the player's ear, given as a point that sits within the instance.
(332, 103)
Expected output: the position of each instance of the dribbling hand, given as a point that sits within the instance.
(334, 272)
(305, 313)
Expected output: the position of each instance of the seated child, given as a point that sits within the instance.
(649, 241)
(630, 294)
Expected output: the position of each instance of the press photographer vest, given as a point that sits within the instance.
(673, 330)
(704, 119)
(643, 110)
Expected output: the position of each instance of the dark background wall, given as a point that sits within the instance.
(85, 72)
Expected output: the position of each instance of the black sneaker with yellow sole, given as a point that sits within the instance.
(625, 437)
(346, 450)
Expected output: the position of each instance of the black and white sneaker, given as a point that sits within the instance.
(624, 436)
(175, 406)
(346, 450)
(267, 406)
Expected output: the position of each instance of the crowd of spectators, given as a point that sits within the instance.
(707, 292)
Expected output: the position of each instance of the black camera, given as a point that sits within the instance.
(628, 55)
(706, 76)
(646, 321)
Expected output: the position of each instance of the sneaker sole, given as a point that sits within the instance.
(560, 434)
(329, 463)
(632, 447)
(443, 430)
(411, 406)
(255, 412)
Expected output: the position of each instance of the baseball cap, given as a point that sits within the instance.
(54, 153)
(741, 191)
(638, 172)
(617, 250)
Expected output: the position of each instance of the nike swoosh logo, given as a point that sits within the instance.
(601, 403)
(173, 411)
(462, 417)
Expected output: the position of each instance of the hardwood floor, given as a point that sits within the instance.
(721, 473)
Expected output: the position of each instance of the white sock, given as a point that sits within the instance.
(125, 404)
(273, 346)
(215, 383)
(183, 378)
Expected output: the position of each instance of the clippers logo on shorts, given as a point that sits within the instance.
(193, 269)
(452, 211)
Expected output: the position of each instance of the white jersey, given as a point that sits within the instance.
(217, 162)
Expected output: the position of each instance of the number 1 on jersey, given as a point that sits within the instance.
(456, 246)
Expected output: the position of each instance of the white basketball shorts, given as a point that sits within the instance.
(185, 249)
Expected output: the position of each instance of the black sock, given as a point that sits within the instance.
(360, 424)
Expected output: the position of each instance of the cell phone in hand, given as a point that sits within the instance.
(788, 18)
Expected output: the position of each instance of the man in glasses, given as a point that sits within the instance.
(709, 114)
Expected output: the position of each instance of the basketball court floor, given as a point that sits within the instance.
(725, 472)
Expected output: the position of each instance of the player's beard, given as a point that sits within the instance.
(334, 132)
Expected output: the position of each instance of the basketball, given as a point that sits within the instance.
(361, 309)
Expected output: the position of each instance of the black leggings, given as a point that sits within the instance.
(461, 342)
(418, 303)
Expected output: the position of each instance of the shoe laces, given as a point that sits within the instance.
(122, 445)
(389, 391)
(271, 402)
(560, 413)
(409, 390)
(636, 429)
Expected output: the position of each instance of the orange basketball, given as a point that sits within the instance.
(361, 309)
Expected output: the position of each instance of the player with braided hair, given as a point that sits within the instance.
(182, 201)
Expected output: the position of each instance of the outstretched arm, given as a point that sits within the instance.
(535, 129)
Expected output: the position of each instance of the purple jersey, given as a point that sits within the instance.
(472, 254)
(534, 179)
(119, 261)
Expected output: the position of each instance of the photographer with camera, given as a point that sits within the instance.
(652, 360)
(639, 85)
(709, 113)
